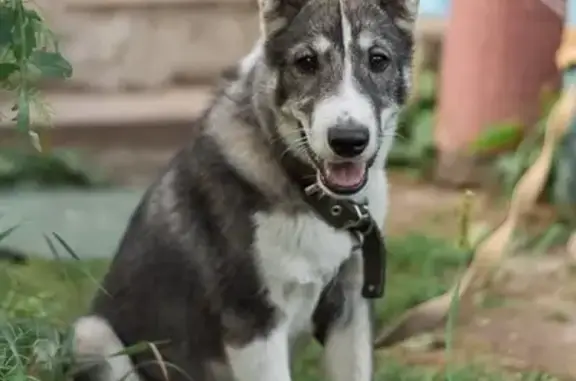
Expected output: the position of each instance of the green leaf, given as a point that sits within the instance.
(498, 136)
(51, 64)
(66, 247)
(400, 155)
(6, 25)
(554, 235)
(6, 69)
(427, 85)
(423, 132)
(7, 232)
(23, 116)
(24, 38)
(510, 167)
(32, 15)
(138, 348)
(19, 375)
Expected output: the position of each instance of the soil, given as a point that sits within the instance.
(528, 319)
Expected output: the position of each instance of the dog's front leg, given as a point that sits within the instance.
(343, 322)
(263, 359)
(348, 352)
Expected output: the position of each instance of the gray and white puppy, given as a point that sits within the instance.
(223, 262)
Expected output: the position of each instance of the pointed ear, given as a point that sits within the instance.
(404, 12)
(276, 14)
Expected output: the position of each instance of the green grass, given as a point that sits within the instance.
(38, 300)
(419, 268)
(51, 290)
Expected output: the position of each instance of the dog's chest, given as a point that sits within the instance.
(297, 256)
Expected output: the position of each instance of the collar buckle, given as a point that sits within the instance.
(342, 214)
(362, 222)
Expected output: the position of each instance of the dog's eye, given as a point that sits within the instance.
(307, 64)
(378, 61)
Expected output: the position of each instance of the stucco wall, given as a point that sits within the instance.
(116, 45)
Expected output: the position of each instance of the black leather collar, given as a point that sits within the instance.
(347, 215)
(342, 215)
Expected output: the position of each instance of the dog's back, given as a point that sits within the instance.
(182, 270)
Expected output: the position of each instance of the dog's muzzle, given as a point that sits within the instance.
(347, 172)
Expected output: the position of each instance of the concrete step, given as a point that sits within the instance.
(128, 137)
(89, 110)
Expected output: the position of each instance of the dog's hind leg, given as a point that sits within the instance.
(95, 349)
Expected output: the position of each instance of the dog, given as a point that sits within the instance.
(228, 259)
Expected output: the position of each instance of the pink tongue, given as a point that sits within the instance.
(344, 174)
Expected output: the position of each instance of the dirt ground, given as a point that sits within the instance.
(528, 321)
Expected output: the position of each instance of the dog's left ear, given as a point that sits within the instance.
(276, 14)
(404, 12)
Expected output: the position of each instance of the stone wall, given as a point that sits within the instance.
(144, 45)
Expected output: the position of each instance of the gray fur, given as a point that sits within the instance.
(185, 273)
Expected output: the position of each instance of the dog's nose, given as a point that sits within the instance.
(348, 141)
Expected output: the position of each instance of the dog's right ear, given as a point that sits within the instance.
(276, 14)
(403, 12)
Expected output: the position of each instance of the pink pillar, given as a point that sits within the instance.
(498, 55)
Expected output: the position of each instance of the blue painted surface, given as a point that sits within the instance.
(434, 8)
(91, 222)
(565, 183)
(571, 13)
(569, 77)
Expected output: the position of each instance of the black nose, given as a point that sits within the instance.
(348, 141)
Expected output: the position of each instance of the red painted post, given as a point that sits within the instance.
(498, 55)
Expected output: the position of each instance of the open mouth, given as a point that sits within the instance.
(339, 177)
(344, 177)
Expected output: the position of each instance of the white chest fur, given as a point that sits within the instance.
(299, 254)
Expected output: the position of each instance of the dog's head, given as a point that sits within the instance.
(340, 73)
